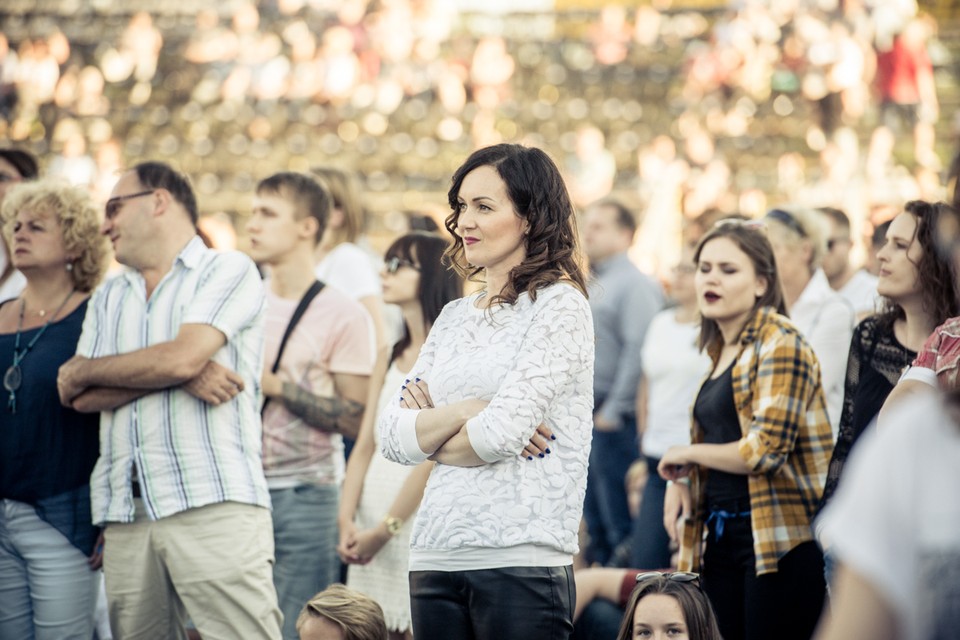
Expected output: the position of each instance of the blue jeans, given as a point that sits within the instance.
(651, 544)
(47, 589)
(605, 507)
(305, 543)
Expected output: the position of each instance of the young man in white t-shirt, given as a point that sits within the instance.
(315, 396)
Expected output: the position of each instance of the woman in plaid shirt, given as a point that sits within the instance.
(761, 446)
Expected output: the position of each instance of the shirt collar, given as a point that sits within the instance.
(189, 257)
(748, 334)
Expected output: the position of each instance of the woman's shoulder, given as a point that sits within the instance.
(563, 292)
(773, 329)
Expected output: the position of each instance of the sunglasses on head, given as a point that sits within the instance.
(113, 204)
(674, 576)
(788, 220)
(747, 223)
(393, 264)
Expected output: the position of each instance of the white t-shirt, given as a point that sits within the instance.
(350, 269)
(861, 292)
(826, 321)
(895, 519)
(673, 367)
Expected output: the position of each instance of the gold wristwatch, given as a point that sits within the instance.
(393, 524)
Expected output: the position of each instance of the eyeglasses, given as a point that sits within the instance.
(675, 576)
(788, 220)
(113, 204)
(393, 265)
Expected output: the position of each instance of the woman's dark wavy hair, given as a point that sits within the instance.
(698, 614)
(750, 236)
(439, 284)
(540, 197)
(936, 274)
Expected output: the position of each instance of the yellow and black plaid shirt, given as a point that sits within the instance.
(786, 440)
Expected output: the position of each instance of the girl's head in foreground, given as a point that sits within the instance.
(736, 276)
(512, 213)
(669, 606)
(339, 613)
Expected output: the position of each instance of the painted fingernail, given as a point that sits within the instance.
(529, 457)
(418, 380)
(403, 387)
(553, 437)
(547, 449)
(407, 381)
(540, 454)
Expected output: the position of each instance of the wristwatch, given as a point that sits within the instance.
(393, 524)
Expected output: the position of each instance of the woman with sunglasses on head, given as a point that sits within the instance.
(761, 446)
(492, 547)
(669, 606)
(48, 583)
(379, 496)
(918, 287)
(823, 316)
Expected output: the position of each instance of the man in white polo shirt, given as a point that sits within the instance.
(171, 354)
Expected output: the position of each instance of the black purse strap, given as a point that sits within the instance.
(305, 301)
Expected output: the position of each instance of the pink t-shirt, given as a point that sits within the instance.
(333, 336)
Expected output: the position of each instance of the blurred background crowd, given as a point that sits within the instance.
(679, 108)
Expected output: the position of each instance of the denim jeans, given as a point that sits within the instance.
(605, 507)
(305, 542)
(651, 544)
(47, 589)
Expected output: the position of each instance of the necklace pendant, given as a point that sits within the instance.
(13, 378)
(42, 313)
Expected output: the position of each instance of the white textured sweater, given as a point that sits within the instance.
(533, 361)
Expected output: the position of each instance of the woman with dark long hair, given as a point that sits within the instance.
(493, 543)
(761, 446)
(918, 287)
(379, 496)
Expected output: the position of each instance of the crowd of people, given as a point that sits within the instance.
(549, 417)
(178, 423)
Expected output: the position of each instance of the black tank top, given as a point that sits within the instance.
(716, 413)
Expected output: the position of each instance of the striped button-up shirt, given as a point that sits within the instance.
(188, 453)
(786, 441)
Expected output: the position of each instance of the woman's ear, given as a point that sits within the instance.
(762, 285)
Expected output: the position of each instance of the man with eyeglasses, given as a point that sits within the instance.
(171, 355)
(318, 361)
(856, 286)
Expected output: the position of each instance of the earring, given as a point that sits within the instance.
(69, 267)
